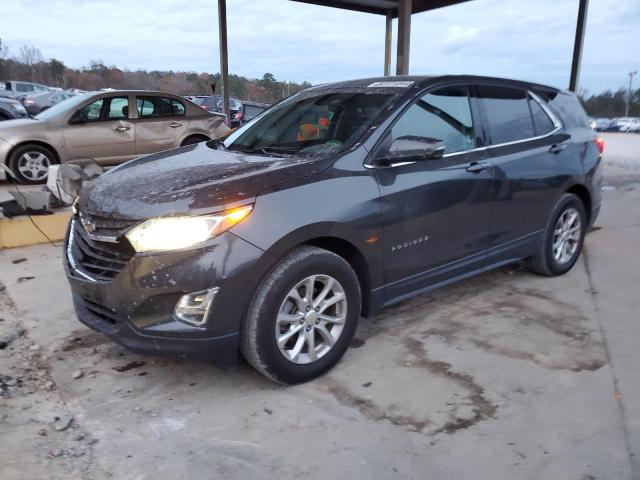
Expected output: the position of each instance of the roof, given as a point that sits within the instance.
(382, 7)
(424, 80)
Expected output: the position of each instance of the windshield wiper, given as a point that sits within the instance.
(265, 150)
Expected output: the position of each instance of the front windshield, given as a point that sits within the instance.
(311, 123)
(63, 107)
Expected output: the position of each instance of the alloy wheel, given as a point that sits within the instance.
(566, 236)
(311, 319)
(34, 165)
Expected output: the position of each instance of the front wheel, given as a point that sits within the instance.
(302, 317)
(30, 163)
(563, 237)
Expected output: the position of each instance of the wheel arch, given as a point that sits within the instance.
(40, 143)
(354, 258)
(205, 138)
(584, 195)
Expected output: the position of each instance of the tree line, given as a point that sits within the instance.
(30, 65)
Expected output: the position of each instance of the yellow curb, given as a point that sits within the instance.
(21, 232)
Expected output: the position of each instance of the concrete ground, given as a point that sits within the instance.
(507, 375)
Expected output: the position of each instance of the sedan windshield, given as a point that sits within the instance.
(311, 123)
(63, 107)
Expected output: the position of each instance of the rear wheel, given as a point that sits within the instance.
(30, 163)
(563, 237)
(302, 317)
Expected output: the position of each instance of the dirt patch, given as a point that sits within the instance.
(80, 339)
(370, 410)
(481, 407)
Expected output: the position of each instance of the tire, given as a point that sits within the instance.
(192, 140)
(553, 262)
(30, 162)
(272, 300)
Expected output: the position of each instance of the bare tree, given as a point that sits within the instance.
(30, 55)
(4, 50)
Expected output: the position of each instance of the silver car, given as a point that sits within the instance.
(106, 127)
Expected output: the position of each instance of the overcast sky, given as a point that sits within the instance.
(513, 38)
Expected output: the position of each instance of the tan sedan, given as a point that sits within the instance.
(106, 127)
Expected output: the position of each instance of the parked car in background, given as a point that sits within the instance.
(106, 127)
(213, 103)
(16, 88)
(250, 110)
(41, 101)
(11, 108)
(624, 124)
(339, 200)
(602, 124)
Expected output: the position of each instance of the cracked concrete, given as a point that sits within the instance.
(506, 375)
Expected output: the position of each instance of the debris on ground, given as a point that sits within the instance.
(18, 260)
(62, 422)
(78, 374)
(129, 366)
(24, 279)
(6, 340)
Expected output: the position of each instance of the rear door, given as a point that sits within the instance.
(527, 149)
(160, 125)
(101, 131)
(435, 212)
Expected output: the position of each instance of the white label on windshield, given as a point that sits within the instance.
(397, 84)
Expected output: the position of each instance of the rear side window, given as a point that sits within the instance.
(506, 112)
(568, 108)
(541, 121)
(442, 114)
(154, 107)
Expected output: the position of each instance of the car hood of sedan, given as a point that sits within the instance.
(190, 180)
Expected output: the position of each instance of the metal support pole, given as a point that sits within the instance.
(577, 46)
(224, 58)
(404, 37)
(387, 44)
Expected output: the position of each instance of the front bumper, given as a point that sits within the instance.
(135, 308)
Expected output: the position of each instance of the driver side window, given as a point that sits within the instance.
(90, 112)
(443, 115)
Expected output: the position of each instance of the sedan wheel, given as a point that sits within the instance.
(30, 163)
(34, 166)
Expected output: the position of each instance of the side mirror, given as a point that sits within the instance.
(410, 148)
(77, 119)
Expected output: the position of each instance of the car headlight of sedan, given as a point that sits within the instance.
(173, 233)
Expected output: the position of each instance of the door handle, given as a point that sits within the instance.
(476, 167)
(122, 128)
(558, 147)
(175, 124)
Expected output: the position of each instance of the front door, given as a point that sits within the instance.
(435, 212)
(101, 131)
(160, 125)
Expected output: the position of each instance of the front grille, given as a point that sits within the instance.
(100, 260)
(105, 227)
(103, 313)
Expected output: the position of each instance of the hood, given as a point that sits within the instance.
(194, 179)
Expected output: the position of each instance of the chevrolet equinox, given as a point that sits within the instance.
(333, 203)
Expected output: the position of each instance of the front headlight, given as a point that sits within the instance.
(173, 233)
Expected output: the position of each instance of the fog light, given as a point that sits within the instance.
(193, 308)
